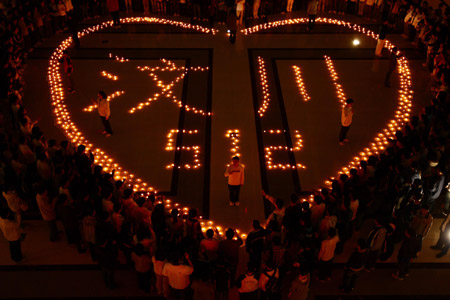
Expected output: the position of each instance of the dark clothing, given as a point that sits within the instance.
(234, 192)
(292, 217)
(407, 251)
(343, 133)
(382, 32)
(325, 269)
(354, 265)
(255, 245)
(106, 124)
(15, 251)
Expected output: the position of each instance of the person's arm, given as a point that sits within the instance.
(227, 171)
(108, 111)
(242, 175)
(270, 198)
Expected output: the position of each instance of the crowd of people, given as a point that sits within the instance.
(170, 252)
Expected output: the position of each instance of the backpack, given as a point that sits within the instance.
(273, 285)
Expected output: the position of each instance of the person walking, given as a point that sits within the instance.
(392, 66)
(346, 121)
(66, 61)
(104, 112)
(235, 174)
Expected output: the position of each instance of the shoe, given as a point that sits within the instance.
(237, 203)
(104, 132)
(440, 254)
(108, 134)
(395, 275)
(341, 143)
(231, 203)
(346, 140)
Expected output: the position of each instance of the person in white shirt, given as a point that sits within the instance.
(178, 276)
(104, 112)
(235, 174)
(346, 121)
(326, 254)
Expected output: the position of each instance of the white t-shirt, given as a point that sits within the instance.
(240, 5)
(178, 275)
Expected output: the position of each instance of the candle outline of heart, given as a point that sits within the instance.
(63, 120)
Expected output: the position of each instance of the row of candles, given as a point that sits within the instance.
(195, 149)
(268, 151)
(300, 83)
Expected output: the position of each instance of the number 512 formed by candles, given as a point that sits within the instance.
(269, 149)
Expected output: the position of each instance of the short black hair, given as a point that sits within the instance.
(103, 94)
(236, 157)
(349, 100)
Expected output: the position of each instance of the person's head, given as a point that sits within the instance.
(294, 198)
(378, 221)
(318, 199)
(127, 193)
(62, 198)
(102, 95)
(192, 213)
(276, 240)
(362, 245)
(280, 203)
(174, 213)
(41, 190)
(229, 233)
(251, 268)
(305, 205)
(235, 160)
(256, 224)
(209, 233)
(140, 201)
(139, 249)
(303, 276)
(117, 207)
(159, 254)
(332, 232)
(349, 101)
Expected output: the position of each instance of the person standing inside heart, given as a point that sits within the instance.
(235, 174)
(346, 121)
(104, 112)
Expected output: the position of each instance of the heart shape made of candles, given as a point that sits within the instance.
(64, 121)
